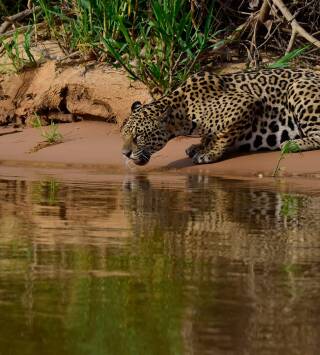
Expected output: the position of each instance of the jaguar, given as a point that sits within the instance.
(244, 111)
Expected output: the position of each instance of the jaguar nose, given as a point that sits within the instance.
(126, 152)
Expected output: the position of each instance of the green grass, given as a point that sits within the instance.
(167, 47)
(15, 51)
(289, 147)
(157, 42)
(51, 134)
(285, 61)
(81, 24)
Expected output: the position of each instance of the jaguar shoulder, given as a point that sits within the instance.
(247, 111)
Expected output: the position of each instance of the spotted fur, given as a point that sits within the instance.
(248, 111)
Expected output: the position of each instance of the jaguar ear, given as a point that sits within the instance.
(135, 106)
(166, 116)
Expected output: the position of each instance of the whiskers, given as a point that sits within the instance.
(144, 156)
(140, 157)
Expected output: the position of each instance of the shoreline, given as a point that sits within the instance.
(95, 147)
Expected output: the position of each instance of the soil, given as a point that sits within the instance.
(90, 98)
(68, 94)
(97, 146)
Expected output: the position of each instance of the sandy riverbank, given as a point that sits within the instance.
(97, 94)
(97, 145)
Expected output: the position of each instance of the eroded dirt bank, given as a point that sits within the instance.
(68, 94)
(97, 146)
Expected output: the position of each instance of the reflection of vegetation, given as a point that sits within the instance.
(125, 303)
(135, 314)
(289, 206)
(53, 190)
(195, 268)
(291, 268)
(47, 191)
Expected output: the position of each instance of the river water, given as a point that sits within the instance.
(158, 265)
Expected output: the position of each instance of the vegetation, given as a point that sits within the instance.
(161, 42)
(167, 48)
(285, 61)
(13, 50)
(157, 42)
(290, 205)
(51, 133)
(8, 6)
(289, 147)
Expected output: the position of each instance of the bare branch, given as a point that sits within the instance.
(20, 15)
(297, 29)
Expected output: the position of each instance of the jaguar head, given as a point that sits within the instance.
(145, 131)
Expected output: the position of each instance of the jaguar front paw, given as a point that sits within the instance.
(204, 158)
(193, 150)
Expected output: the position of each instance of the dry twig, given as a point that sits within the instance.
(297, 29)
(20, 15)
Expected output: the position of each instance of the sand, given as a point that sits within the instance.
(97, 145)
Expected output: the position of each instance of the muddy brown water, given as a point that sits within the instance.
(157, 265)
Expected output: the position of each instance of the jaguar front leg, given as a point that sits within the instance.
(219, 140)
(215, 147)
(193, 150)
(211, 152)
